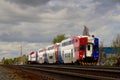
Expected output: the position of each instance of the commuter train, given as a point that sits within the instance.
(77, 49)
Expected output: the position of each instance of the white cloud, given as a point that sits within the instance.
(53, 16)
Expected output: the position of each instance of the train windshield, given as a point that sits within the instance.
(89, 49)
(89, 46)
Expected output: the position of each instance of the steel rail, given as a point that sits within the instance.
(101, 73)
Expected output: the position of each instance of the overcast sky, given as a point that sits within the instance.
(34, 23)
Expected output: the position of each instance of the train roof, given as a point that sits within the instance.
(50, 45)
(32, 52)
(65, 40)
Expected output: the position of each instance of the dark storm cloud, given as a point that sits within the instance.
(116, 1)
(107, 1)
(106, 5)
(21, 38)
(29, 2)
(59, 12)
(16, 34)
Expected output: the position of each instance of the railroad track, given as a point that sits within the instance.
(73, 72)
(79, 66)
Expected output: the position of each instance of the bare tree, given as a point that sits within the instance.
(116, 44)
(86, 31)
(116, 41)
(102, 55)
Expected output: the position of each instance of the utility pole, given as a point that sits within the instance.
(21, 60)
(21, 50)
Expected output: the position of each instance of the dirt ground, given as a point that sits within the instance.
(12, 74)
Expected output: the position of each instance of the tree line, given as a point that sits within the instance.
(16, 61)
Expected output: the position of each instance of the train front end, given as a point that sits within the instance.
(89, 52)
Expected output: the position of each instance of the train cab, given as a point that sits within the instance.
(86, 49)
(32, 57)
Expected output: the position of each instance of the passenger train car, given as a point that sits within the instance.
(77, 49)
(41, 55)
(67, 51)
(51, 53)
(32, 57)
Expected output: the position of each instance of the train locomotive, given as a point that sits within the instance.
(76, 49)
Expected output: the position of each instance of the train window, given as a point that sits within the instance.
(66, 43)
(62, 52)
(76, 40)
(43, 55)
(40, 51)
(81, 41)
(50, 48)
(50, 57)
(72, 51)
(88, 47)
(70, 42)
(40, 58)
(63, 44)
(67, 55)
(76, 49)
(59, 53)
(82, 47)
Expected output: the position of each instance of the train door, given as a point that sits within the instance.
(54, 57)
(71, 55)
(63, 56)
(89, 50)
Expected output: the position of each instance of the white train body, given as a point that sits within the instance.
(32, 57)
(29, 58)
(41, 56)
(67, 50)
(50, 52)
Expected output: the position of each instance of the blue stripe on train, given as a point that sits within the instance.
(96, 48)
(60, 60)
